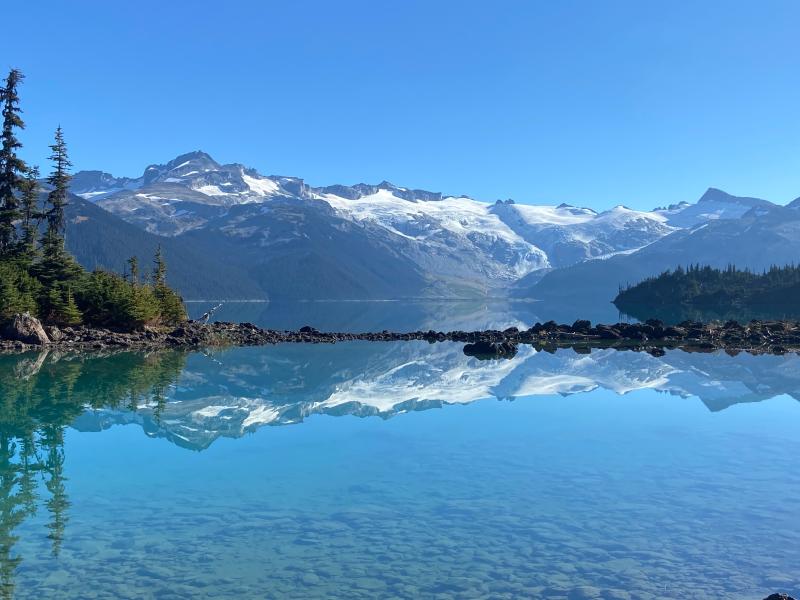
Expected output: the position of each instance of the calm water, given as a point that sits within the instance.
(399, 470)
(407, 315)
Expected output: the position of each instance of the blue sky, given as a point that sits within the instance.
(590, 103)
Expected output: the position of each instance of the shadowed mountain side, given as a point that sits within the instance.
(284, 251)
(99, 239)
(293, 250)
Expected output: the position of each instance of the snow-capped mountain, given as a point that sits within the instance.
(457, 244)
(721, 230)
(569, 235)
(231, 399)
(712, 206)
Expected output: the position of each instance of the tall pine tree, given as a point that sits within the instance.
(57, 270)
(170, 304)
(31, 215)
(59, 179)
(11, 166)
(56, 264)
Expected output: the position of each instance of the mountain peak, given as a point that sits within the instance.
(194, 157)
(713, 194)
(717, 195)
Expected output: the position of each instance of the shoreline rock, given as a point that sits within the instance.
(27, 329)
(756, 337)
(488, 350)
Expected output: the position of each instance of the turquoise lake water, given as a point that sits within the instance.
(398, 470)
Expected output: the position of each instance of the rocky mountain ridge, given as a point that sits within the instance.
(386, 241)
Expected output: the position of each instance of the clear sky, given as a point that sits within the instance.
(591, 103)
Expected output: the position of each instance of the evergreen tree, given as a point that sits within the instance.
(11, 166)
(31, 215)
(58, 306)
(18, 290)
(70, 314)
(133, 263)
(47, 280)
(56, 264)
(170, 305)
(159, 268)
(725, 291)
(59, 179)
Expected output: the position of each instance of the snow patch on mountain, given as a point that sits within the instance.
(443, 227)
(262, 186)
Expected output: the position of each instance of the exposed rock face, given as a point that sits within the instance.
(779, 597)
(27, 329)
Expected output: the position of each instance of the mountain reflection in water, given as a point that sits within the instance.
(192, 399)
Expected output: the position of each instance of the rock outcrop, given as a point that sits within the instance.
(27, 329)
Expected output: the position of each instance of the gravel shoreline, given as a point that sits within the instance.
(757, 337)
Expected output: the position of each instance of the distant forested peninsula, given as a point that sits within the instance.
(37, 274)
(730, 292)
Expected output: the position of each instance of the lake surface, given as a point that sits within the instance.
(407, 315)
(399, 470)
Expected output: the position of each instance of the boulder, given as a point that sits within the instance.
(54, 333)
(26, 328)
(607, 332)
(581, 326)
(779, 597)
(484, 350)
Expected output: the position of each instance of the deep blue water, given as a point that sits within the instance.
(399, 471)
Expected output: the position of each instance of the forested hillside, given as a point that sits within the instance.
(776, 291)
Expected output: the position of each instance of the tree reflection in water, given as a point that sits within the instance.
(40, 395)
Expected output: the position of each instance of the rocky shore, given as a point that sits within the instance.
(757, 337)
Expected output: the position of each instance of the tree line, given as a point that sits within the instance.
(703, 286)
(37, 273)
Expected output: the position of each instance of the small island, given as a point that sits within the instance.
(704, 290)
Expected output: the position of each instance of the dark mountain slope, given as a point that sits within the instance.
(100, 239)
(296, 249)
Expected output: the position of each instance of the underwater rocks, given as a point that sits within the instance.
(757, 337)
